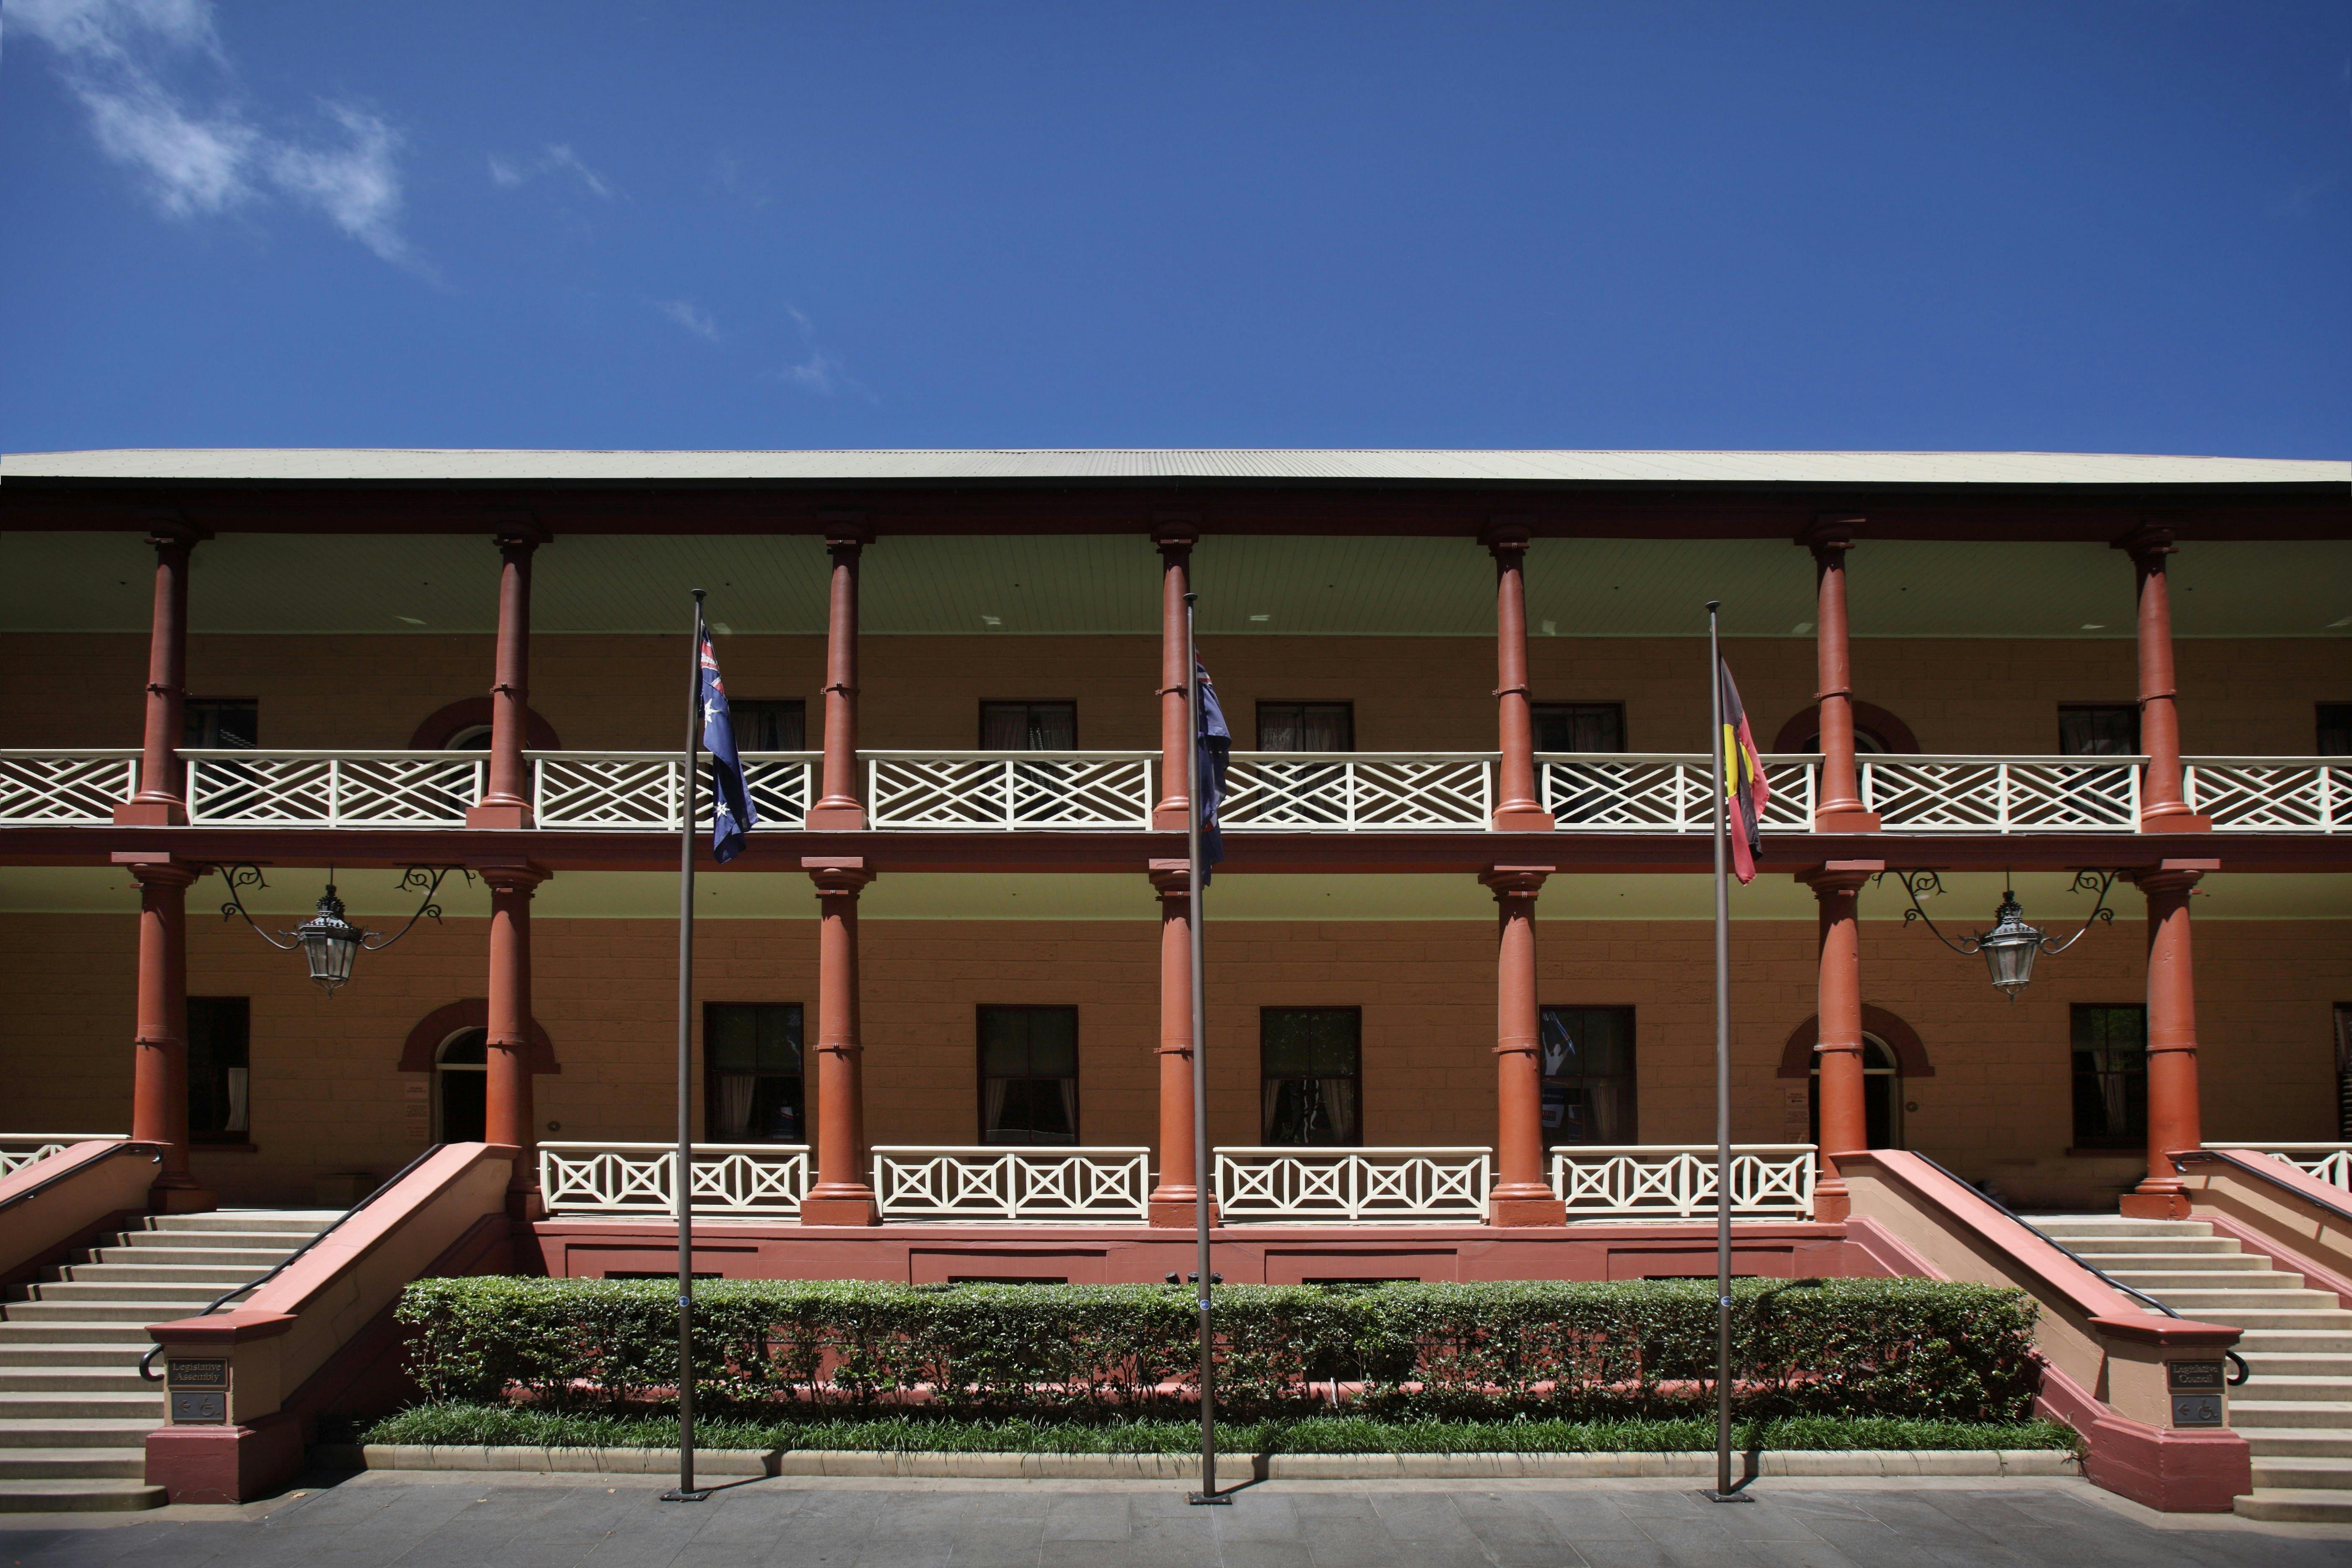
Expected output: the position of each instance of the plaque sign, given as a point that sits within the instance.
(197, 1371)
(2196, 1387)
(199, 1407)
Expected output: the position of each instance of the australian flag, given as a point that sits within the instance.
(1214, 743)
(731, 815)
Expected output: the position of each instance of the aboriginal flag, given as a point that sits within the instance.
(1743, 780)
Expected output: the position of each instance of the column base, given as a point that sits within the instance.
(1832, 1203)
(851, 1209)
(1524, 821)
(151, 813)
(1845, 821)
(1176, 1214)
(2160, 1202)
(1519, 1212)
(189, 1199)
(495, 818)
(836, 819)
(1170, 818)
(2176, 822)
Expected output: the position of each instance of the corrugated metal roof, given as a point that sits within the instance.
(384, 465)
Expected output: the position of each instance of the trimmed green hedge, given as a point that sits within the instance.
(1912, 1349)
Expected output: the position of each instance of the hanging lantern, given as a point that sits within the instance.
(2012, 945)
(329, 942)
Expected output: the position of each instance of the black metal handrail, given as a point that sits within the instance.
(2195, 1156)
(2244, 1371)
(122, 1146)
(147, 1361)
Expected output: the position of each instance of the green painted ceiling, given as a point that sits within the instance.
(1109, 583)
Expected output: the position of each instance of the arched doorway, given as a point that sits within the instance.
(461, 1088)
(1882, 1096)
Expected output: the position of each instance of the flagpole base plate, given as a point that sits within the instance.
(1735, 1495)
(675, 1495)
(1209, 1499)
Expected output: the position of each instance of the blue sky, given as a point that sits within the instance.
(2088, 226)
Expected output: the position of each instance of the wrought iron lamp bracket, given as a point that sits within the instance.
(426, 879)
(1928, 884)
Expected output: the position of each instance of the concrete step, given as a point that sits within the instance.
(2306, 1319)
(298, 1223)
(2102, 1247)
(122, 1379)
(2193, 1303)
(102, 1404)
(247, 1261)
(277, 1242)
(2295, 1505)
(73, 1464)
(2164, 1282)
(2265, 1363)
(93, 1290)
(2306, 1442)
(78, 1497)
(2334, 1389)
(2292, 1470)
(77, 1431)
(2096, 1227)
(218, 1277)
(68, 1353)
(2122, 1263)
(103, 1307)
(17, 1332)
(2332, 1413)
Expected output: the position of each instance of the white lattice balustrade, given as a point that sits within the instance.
(741, 1180)
(640, 790)
(1402, 1184)
(331, 789)
(77, 788)
(1356, 791)
(1676, 1181)
(2003, 794)
(1664, 791)
(994, 1181)
(18, 1150)
(2329, 1162)
(2271, 794)
(1009, 790)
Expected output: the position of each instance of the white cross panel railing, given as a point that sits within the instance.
(639, 791)
(2003, 794)
(1676, 1181)
(1356, 791)
(245, 788)
(744, 1181)
(1407, 1184)
(997, 1182)
(66, 788)
(1009, 790)
(2329, 1162)
(2271, 794)
(18, 1150)
(1664, 791)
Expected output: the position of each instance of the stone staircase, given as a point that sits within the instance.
(2297, 1412)
(74, 1412)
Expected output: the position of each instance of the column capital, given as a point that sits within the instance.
(2171, 875)
(845, 530)
(158, 868)
(1506, 536)
(1171, 878)
(524, 536)
(2147, 542)
(837, 874)
(1515, 881)
(1175, 533)
(168, 530)
(1829, 532)
(1840, 876)
(511, 876)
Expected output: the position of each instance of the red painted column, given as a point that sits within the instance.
(1839, 808)
(2174, 1118)
(1523, 1194)
(509, 1117)
(506, 799)
(1175, 544)
(1846, 1122)
(839, 806)
(159, 1075)
(1518, 806)
(840, 1195)
(161, 798)
(2162, 808)
(1179, 1187)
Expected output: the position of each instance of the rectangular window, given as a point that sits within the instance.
(220, 1034)
(221, 721)
(2335, 729)
(2098, 729)
(1311, 1075)
(1305, 726)
(1588, 1074)
(1029, 1075)
(765, 724)
(2344, 1070)
(2110, 1075)
(753, 1077)
(1580, 726)
(1028, 726)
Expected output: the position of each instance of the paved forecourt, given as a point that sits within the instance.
(546, 1520)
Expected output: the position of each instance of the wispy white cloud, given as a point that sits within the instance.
(690, 316)
(820, 372)
(556, 158)
(129, 63)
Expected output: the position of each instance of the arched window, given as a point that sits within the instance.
(472, 738)
(1882, 1096)
(461, 1088)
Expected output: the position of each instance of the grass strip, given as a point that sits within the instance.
(503, 1425)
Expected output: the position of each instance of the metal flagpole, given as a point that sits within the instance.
(1204, 1183)
(683, 1171)
(1724, 1490)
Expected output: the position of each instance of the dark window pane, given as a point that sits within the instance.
(1588, 1074)
(765, 725)
(1311, 1070)
(220, 722)
(219, 1046)
(1305, 726)
(753, 1082)
(1029, 726)
(1580, 726)
(2110, 1052)
(734, 1039)
(2335, 729)
(2098, 729)
(1029, 1075)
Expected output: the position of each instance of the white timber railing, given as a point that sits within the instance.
(2271, 794)
(640, 790)
(739, 1180)
(2002, 795)
(1664, 791)
(1356, 791)
(997, 1182)
(2329, 1162)
(1676, 1181)
(18, 1150)
(77, 788)
(1009, 790)
(252, 788)
(1290, 1183)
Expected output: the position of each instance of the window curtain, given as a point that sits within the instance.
(1324, 729)
(1339, 1097)
(991, 1106)
(1271, 1108)
(735, 1094)
(238, 1078)
(1069, 1088)
(1053, 728)
(2114, 1086)
(1004, 727)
